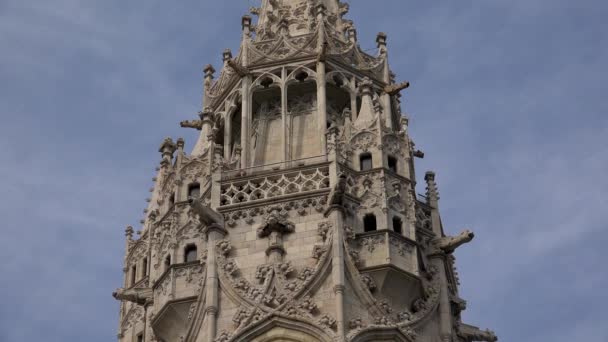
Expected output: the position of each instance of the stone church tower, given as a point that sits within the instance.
(294, 218)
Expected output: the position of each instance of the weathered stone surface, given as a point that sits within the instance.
(295, 216)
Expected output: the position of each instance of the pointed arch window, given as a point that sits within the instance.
(369, 223)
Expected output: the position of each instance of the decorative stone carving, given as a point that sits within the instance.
(323, 229)
(238, 192)
(370, 242)
(328, 322)
(369, 282)
(449, 244)
(141, 296)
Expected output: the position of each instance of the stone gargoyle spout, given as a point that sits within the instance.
(448, 244)
(471, 333)
(206, 215)
(139, 296)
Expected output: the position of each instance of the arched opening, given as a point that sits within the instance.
(235, 130)
(194, 191)
(266, 125)
(190, 253)
(365, 162)
(167, 262)
(303, 141)
(369, 223)
(397, 225)
(338, 101)
(392, 164)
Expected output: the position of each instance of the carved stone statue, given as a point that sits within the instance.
(336, 196)
(448, 244)
(139, 296)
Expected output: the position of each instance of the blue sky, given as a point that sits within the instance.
(508, 100)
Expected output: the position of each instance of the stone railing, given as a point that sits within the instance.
(384, 247)
(273, 167)
(274, 185)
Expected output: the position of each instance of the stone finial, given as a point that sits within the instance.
(167, 148)
(180, 143)
(284, 27)
(227, 55)
(246, 23)
(432, 193)
(209, 70)
(129, 233)
(381, 40)
(352, 35)
(321, 10)
(366, 87)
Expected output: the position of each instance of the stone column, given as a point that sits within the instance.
(386, 77)
(285, 126)
(215, 233)
(321, 83)
(445, 312)
(246, 121)
(336, 216)
(245, 95)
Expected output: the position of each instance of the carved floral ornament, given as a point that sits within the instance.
(277, 287)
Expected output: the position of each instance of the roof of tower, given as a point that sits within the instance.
(297, 29)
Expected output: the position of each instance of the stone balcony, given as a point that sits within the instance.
(389, 260)
(385, 247)
(179, 281)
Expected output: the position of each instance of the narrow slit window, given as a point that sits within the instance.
(167, 262)
(133, 275)
(145, 267)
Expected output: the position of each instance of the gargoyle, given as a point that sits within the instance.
(336, 196)
(239, 69)
(196, 124)
(394, 89)
(471, 333)
(206, 215)
(139, 296)
(448, 244)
